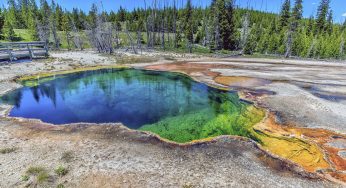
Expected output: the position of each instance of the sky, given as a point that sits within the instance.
(310, 6)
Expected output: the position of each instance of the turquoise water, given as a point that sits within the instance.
(148, 100)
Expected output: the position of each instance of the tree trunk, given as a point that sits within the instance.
(289, 44)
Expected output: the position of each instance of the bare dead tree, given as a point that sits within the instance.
(147, 23)
(206, 37)
(139, 40)
(107, 37)
(312, 46)
(77, 40)
(245, 31)
(131, 40)
(53, 25)
(43, 31)
(55, 36)
(117, 38)
(289, 43)
(342, 47)
(100, 33)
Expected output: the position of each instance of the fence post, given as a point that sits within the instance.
(46, 48)
(30, 52)
(9, 53)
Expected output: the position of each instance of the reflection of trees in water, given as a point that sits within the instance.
(49, 91)
(154, 93)
(35, 93)
(222, 101)
(14, 98)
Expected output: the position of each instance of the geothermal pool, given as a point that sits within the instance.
(169, 104)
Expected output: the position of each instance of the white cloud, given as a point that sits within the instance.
(344, 14)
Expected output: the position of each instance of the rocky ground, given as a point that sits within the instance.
(301, 93)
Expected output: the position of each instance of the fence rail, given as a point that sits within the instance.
(10, 51)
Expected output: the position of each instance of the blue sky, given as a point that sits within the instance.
(310, 6)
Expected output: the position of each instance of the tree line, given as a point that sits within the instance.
(220, 27)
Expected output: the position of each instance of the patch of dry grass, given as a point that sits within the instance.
(67, 156)
(8, 150)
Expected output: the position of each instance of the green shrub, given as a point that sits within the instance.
(60, 186)
(42, 177)
(61, 171)
(25, 178)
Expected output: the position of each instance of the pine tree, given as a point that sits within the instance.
(178, 36)
(285, 14)
(251, 42)
(43, 23)
(58, 16)
(310, 25)
(322, 13)
(66, 28)
(297, 15)
(188, 25)
(82, 19)
(7, 29)
(11, 14)
(222, 23)
(24, 11)
(274, 38)
(92, 17)
(32, 20)
(122, 14)
(330, 23)
(54, 24)
(2, 19)
(76, 19)
(231, 41)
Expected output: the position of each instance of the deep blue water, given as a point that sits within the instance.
(132, 97)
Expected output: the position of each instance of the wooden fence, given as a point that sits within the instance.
(11, 51)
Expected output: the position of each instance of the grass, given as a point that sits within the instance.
(39, 172)
(35, 170)
(42, 177)
(60, 186)
(23, 34)
(8, 150)
(61, 171)
(25, 178)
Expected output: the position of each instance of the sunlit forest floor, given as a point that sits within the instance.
(303, 134)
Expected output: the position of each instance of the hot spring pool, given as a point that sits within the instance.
(169, 104)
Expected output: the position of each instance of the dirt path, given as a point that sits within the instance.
(113, 156)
